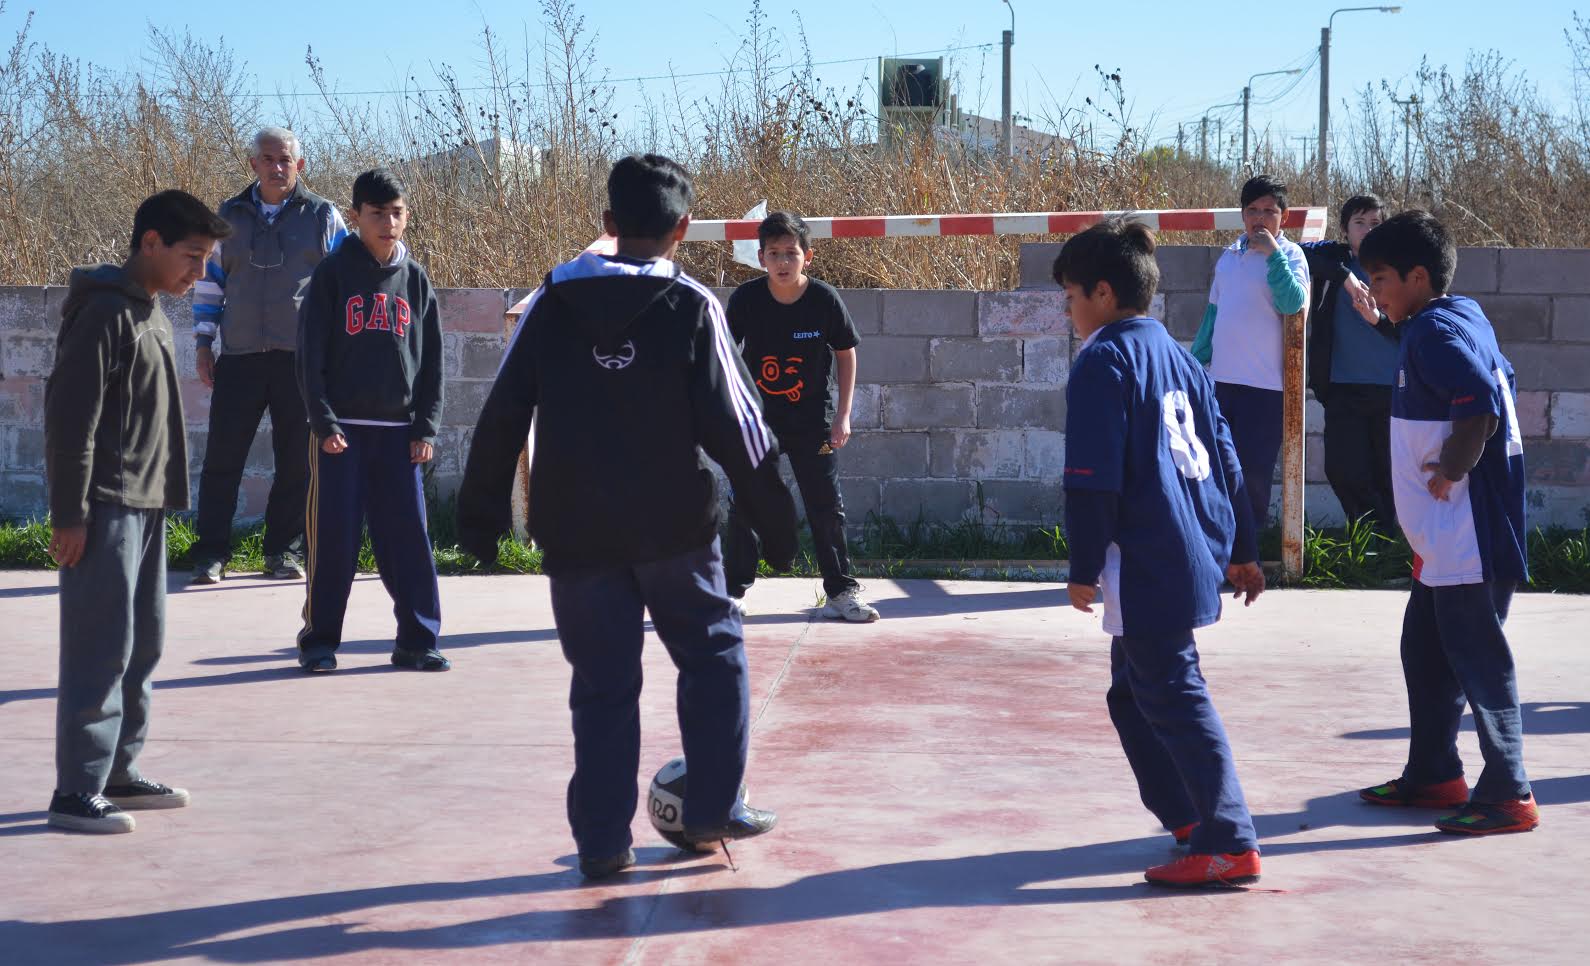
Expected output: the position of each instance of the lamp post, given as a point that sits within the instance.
(1325, 93)
(1407, 143)
(1247, 96)
(1007, 147)
(1203, 132)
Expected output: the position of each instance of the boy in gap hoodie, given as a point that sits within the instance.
(370, 370)
(627, 366)
(117, 460)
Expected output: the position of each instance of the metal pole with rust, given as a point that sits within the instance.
(1292, 442)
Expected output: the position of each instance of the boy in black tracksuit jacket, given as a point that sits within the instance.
(1352, 362)
(370, 370)
(627, 366)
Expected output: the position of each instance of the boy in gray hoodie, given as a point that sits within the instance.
(117, 460)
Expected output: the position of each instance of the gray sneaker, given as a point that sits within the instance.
(849, 606)
(207, 572)
(285, 566)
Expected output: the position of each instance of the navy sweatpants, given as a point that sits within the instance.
(1175, 742)
(374, 482)
(1256, 417)
(1454, 653)
(600, 617)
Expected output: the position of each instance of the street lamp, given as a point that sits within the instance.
(1008, 147)
(1247, 95)
(1325, 92)
(1203, 131)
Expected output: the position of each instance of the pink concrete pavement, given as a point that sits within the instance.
(949, 786)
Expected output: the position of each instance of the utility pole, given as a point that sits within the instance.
(1008, 148)
(1407, 143)
(1302, 156)
(1325, 94)
(1203, 139)
(1181, 139)
(1247, 96)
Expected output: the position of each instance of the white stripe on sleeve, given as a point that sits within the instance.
(757, 437)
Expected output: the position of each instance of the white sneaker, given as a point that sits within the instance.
(738, 604)
(849, 606)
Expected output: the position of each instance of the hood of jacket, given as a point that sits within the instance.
(606, 294)
(91, 280)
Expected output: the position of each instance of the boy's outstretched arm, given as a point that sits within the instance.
(314, 334)
(428, 381)
(74, 400)
(729, 420)
(485, 505)
(845, 363)
(1096, 400)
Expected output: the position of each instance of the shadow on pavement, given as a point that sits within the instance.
(1540, 718)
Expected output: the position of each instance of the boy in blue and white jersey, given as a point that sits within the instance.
(1156, 517)
(1457, 473)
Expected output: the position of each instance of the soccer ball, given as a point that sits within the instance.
(665, 803)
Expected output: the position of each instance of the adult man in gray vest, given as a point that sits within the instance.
(249, 300)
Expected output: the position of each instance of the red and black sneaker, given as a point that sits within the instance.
(1207, 871)
(1183, 834)
(1478, 818)
(1448, 794)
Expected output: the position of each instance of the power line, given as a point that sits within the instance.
(604, 81)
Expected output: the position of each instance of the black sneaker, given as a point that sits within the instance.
(431, 660)
(81, 812)
(318, 664)
(602, 868)
(746, 823)
(141, 793)
(207, 572)
(283, 566)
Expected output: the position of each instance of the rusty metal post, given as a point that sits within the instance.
(1293, 433)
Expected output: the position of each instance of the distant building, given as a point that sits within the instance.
(981, 134)
(481, 163)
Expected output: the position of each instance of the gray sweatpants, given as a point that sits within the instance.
(113, 627)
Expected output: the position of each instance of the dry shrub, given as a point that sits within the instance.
(79, 148)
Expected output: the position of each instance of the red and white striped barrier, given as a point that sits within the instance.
(1309, 223)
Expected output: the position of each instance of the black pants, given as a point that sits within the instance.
(246, 385)
(1358, 451)
(1255, 418)
(600, 616)
(817, 478)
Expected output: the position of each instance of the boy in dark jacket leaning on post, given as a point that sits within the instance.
(117, 461)
(627, 366)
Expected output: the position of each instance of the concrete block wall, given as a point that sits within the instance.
(960, 407)
(29, 318)
(1538, 300)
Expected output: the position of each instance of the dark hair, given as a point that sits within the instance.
(1358, 204)
(1405, 242)
(1117, 251)
(176, 215)
(378, 186)
(648, 194)
(1260, 185)
(784, 224)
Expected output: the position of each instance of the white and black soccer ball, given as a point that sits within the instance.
(665, 803)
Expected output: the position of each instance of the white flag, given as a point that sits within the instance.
(745, 251)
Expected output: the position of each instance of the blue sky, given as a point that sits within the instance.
(1178, 59)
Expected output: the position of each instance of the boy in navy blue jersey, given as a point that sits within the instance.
(626, 365)
(1457, 472)
(370, 370)
(1156, 517)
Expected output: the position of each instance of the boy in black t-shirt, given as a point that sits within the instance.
(800, 345)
